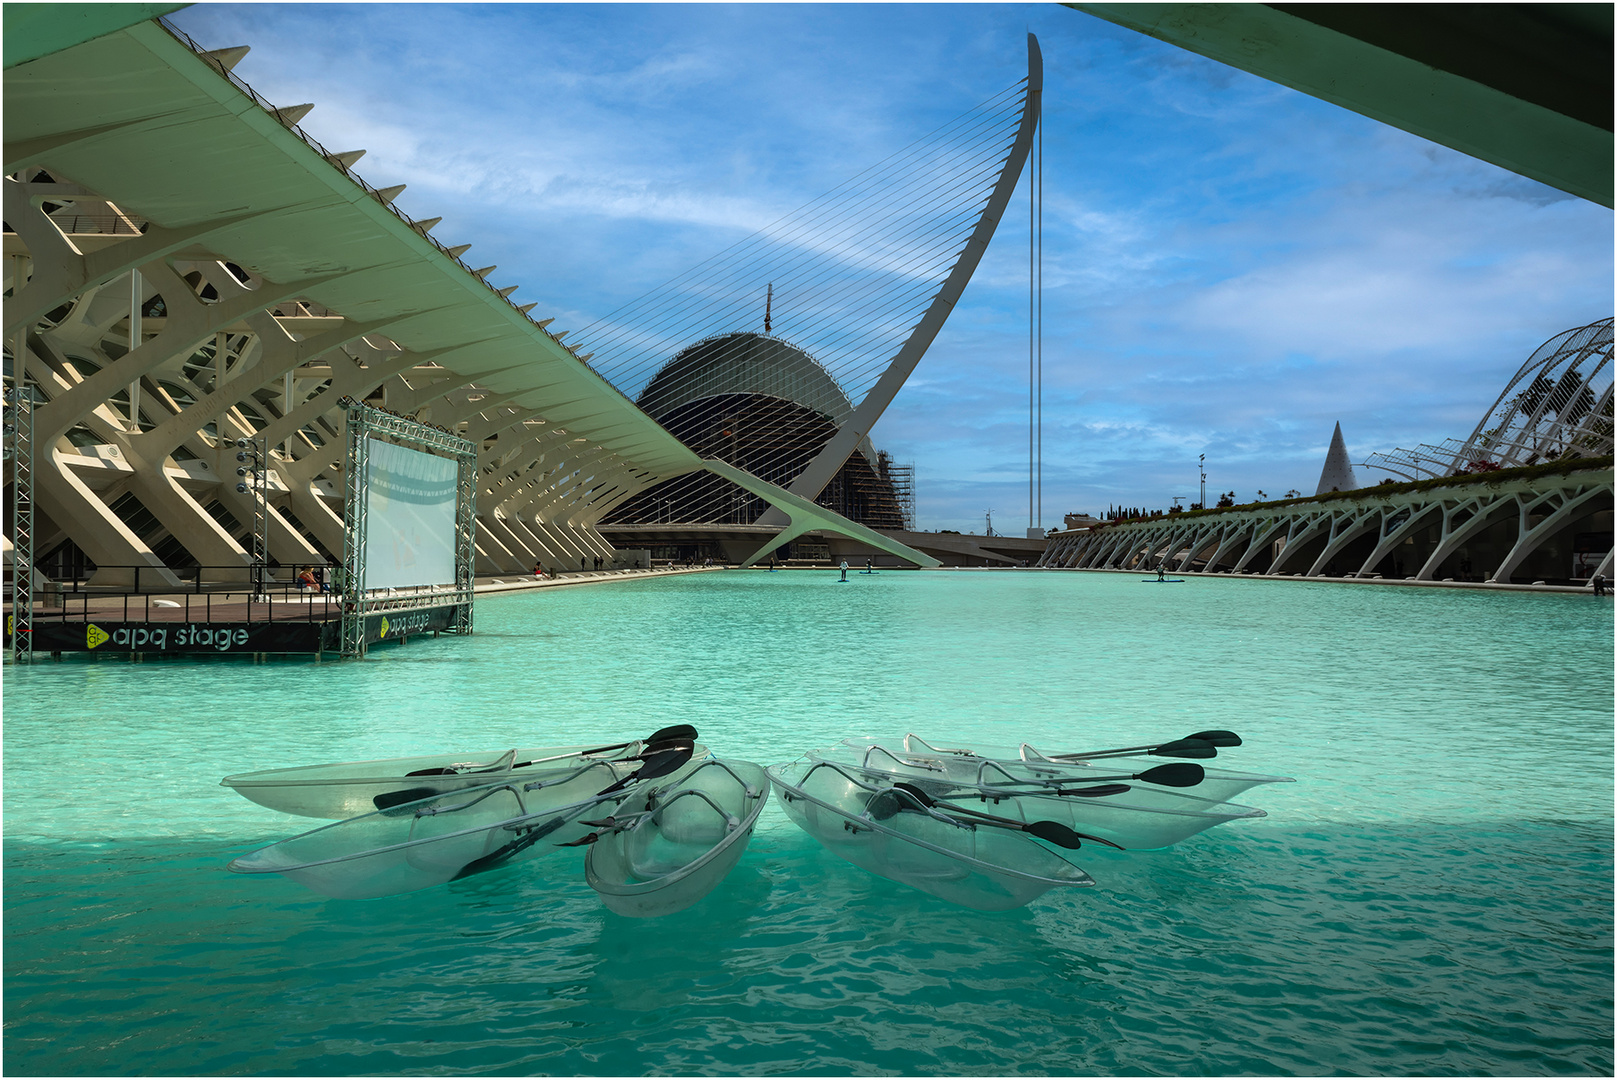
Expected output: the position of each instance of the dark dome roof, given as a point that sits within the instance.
(744, 363)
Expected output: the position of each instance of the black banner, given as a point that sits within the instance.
(393, 625)
(222, 637)
(182, 637)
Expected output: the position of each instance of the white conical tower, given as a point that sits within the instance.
(1338, 472)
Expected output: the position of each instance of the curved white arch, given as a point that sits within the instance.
(812, 480)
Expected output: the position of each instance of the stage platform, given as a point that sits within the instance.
(187, 623)
(147, 625)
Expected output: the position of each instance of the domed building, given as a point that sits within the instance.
(766, 406)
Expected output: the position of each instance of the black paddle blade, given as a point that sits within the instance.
(1102, 840)
(654, 748)
(387, 800)
(1099, 791)
(660, 763)
(590, 839)
(432, 772)
(1055, 832)
(667, 734)
(1179, 774)
(663, 762)
(1217, 738)
(1186, 748)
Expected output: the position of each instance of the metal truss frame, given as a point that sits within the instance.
(254, 470)
(19, 453)
(364, 423)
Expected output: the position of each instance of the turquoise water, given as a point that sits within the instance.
(1434, 896)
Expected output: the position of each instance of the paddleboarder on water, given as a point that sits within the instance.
(844, 576)
(1161, 576)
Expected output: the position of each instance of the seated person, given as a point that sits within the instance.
(306, 579)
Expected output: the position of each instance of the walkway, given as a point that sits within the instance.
(523, 583)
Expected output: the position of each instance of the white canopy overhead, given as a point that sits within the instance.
(140, 120)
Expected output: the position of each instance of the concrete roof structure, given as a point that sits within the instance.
(216, 200)
(1527, 87)
(255, 191)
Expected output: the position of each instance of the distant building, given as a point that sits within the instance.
(1080, 521)
(1338, 472)
(764, 405)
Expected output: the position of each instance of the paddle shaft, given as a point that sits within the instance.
(1053, 831)
(1177, 774)
(675, 732)
(1200, 744)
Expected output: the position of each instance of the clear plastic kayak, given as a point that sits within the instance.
(971, 864)
(350, 788)
(968, 762)
(1140, 816)
(671, 845)
(450, 835)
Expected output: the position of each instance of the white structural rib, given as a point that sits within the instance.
(227, 189)
(812, 480)
(805, 514)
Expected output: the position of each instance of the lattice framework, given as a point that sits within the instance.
(19, 451)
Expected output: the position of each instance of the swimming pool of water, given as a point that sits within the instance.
(1433, 896)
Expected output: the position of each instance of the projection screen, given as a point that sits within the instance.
(410, 510)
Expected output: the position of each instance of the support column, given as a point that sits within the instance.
(134, 343)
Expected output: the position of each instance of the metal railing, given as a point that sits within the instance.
(232, 577)
(76, 599)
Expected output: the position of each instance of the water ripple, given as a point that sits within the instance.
(1434, 897)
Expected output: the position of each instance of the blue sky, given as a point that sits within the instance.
(1230, 267)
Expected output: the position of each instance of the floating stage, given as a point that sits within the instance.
(209, 625)
(284, 622)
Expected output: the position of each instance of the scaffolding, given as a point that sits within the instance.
(902, 477)
(365, 423)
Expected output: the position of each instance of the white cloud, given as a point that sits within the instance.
(1229, 266)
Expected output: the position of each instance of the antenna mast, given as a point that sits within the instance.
(1035, 330)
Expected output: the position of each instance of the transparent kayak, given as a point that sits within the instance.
(974, 865)
(1140, 817)
(350, 788)
(450, 835)
(671, 845)
(995, 763)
